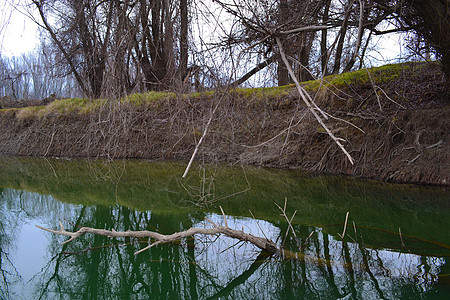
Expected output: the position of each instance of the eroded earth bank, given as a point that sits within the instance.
(394, 120)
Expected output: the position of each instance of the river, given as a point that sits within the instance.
(396, 243)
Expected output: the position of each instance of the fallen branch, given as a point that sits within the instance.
(261, 243)
(201, 140)
(304, 95)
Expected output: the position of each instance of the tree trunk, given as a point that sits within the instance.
(306, 41)
(183, 38)
(94, 50)
(362, 19)
(323, 41)
(340, 45)
(436, 27)
(168, 46)
(282, 71)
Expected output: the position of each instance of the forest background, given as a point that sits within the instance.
(109, 49)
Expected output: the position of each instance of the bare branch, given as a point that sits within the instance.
(261, 243)
(289, 221)
(201, 139)
(302, 92)
(345, 226)
(394, 30)
(255, 70)
(224, 216)
(307, 28)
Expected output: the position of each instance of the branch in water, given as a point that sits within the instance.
(262, 243)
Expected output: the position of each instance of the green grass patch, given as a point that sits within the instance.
(374, 75)
(199, 95)
(67, 105)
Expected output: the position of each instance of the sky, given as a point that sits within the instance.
(18, 34)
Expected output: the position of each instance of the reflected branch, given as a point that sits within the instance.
(367, 269)
(241, 279)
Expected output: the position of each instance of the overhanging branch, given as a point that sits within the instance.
(306, 28)
(400, 29)
(304, 95)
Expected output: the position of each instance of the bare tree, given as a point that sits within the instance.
(116, 47)
(429, 19)
(36, 75)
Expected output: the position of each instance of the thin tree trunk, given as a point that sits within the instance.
(282, 72)
(183, 39)
(358, 39)
(323, 40)
(62, 49)
(342, 33)
(168, 44)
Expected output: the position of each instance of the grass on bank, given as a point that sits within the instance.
(374, 75)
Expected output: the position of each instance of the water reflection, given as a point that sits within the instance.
(92, 267)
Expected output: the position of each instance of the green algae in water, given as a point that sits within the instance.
(373, 261)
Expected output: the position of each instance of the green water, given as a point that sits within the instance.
(372, 262)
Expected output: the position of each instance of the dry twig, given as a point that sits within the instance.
(201, 139)
(345, 226)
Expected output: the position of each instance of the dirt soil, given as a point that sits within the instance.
(396, 128)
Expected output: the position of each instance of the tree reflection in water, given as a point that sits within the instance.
(7, 269)
(207, 267)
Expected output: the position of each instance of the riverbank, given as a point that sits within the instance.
(399, 117)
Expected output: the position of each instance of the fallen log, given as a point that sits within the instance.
(261, 243)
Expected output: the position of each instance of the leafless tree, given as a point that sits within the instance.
(35, 76)
(116, 47)
(428, 20)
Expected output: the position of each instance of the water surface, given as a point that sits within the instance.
(396, 244)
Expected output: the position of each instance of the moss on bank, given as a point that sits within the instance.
(375, 75)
